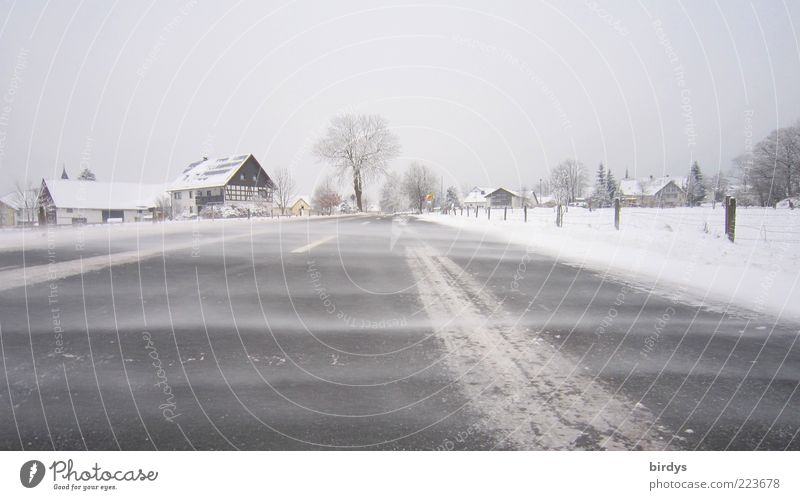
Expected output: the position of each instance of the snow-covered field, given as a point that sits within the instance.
(678, 251)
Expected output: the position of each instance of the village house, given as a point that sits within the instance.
(300, 205)
(64, 201)
(652, 192)
(297, 205)
(8, 210)
(506, 198)
(476, 198)
(238, 181)
(19, 208)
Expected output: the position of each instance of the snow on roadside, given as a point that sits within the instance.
(682, 252)
(14, 239)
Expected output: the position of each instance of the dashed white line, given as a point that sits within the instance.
(306, 248)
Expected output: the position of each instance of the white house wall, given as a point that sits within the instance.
(64, 217)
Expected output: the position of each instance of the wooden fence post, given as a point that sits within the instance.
(616, 213)
(730, 218)
(488, 213)
(727, 200)
(558, 215)
(525, 211)
(505, 212)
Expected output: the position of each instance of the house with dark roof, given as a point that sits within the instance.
(237, 180)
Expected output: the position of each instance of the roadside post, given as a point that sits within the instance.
(730, 218)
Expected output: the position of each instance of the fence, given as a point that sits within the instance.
(742, 224)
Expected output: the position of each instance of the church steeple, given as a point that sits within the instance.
(64, 173)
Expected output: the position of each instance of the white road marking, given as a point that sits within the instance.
(365, 222)
(306, 248)
(31, 275)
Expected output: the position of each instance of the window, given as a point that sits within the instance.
(241, 177)
(191, 209)
(199, 193)
(190, 194)
(208, 193)
(69, 210)
(177, 195)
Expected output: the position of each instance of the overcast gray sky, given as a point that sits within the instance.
(490, 93)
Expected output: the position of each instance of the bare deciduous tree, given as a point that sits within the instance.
(392, 197)
(567, 181)
(284, 188)
(26, 198)
(326, 197)
(774, 165)
(163, 207)
(358, 147)
(418, 183)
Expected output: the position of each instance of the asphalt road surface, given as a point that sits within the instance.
(368, 332)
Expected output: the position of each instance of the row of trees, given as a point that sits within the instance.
(769, 172)
(411, 190)
(360, 148)
(568, 180)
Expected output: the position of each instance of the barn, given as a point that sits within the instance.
(237, 180)
(65, 202)
(506, 198)
(652, 192)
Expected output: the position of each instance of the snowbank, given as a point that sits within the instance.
(682, 252)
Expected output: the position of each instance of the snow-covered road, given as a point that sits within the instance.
(396, 334)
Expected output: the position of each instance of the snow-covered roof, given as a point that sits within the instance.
(12, 200)
(478, 194)
(647, 186)
(514, 193)
(208, 172)
(103, 195)
(299, 197)
(656, 185)
(630, 187)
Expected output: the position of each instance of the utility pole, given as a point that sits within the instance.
(540, 191)
(441, 193)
